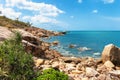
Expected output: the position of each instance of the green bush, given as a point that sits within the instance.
(51, 74)
(15, 63)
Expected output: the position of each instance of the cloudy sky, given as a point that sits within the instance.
(65, 14)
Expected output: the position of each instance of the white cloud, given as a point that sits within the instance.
(95, 11)
(42, 8)
(9, 12)
(39, 19)
(40, 13)
(43, 21)
(79, 1)
(108, 1)
(46, 22)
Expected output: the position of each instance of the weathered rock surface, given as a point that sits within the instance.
(32, 44)
(109, 64)
(42, 32)
(38, 62)
(85, 79)
(5, 33)
(91, 72)
(111, 53)
(76, 68)
(38, 48)
(102, 77)
(71, 60)
(115, 72)
(81, 71)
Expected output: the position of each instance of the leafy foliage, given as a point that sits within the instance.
(15, 63)
(51, 74)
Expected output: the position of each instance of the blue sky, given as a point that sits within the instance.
(65, 14)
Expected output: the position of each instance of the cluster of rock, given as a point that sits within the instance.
(32, 44)
(42, 32)
(86, 68)
(106, 68)
(37, 47)
(81, 69)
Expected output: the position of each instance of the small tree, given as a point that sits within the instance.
(17, 19)
(0, 12)
(29, 24)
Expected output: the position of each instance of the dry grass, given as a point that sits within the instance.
(4, 21)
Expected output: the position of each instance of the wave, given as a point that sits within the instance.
(84, 49)
(62, 50)
(97, 54)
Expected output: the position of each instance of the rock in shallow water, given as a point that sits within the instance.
(55, 43)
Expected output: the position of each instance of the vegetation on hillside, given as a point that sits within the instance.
(16, 64)
(4, 21)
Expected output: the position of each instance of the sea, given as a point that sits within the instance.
(84, 43)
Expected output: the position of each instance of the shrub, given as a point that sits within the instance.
(15, 63)
(51, 74)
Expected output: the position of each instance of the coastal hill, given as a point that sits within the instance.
(6, 22)
(30, 37)
(39, 32)
(105, 68)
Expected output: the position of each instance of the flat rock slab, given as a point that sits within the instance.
(116, 72)
(5, 33)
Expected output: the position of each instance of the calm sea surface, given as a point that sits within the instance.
(87, 43)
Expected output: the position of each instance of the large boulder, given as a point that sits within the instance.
(33, 49)
(111, 53)
(5, 33)
(29, 37)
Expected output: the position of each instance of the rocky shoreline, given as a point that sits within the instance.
(85, 68)
(42, 32)
(106, 68)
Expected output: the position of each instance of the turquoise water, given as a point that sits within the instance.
(93, 40)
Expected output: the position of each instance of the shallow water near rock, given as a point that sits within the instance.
(87, 43)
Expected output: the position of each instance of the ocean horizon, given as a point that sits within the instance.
(85, 43)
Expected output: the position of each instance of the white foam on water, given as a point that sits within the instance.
(97, 54)
(84, 49)
(62, 50)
